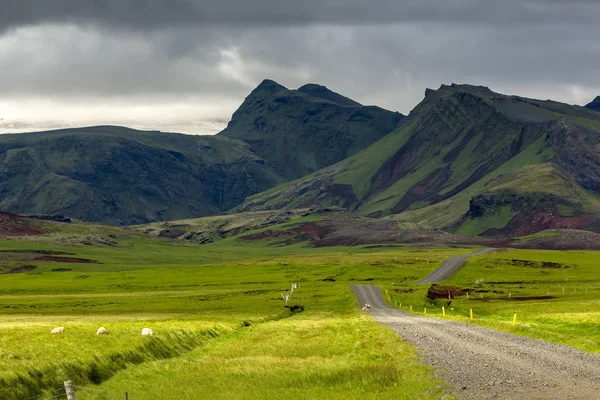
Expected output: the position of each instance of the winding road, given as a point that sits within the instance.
(450, 267)
(483, 363)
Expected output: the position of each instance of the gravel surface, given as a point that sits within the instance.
(483, 363)
(450, 267)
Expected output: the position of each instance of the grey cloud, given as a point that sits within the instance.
(158, 14)
(377, 52)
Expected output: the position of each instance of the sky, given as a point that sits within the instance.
(186, 65)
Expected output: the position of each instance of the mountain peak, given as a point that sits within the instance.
(464, 87)
(322, 92)
(267, 87)
(595, 104)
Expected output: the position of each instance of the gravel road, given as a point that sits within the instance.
(450, 267)
(483, 363)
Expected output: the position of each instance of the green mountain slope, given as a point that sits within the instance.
(121, 176)
(301, 131)
(449, 150)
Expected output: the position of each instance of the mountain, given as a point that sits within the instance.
(468, 160)
(595, 104)
(122, 176)
(301, 131)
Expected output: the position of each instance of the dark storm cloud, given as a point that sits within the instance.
(145, 57)
(152, 14)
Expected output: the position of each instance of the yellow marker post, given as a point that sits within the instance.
(410, 308)
(515, 320)
(400, 305)
(395, 303)
(425, 310)
(443, 312)
(471, 312)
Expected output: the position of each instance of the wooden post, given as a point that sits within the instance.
(70, 391)
(126, 396)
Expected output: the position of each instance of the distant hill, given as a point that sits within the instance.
(122, 176)
(468, 160)
(301, 131)
(594, 105)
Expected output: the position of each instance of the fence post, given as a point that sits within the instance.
(126, 396)
(70, 391)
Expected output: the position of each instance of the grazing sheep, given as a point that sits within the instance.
(147, 332)
(58, 330)
(366, 307)
(101, 331)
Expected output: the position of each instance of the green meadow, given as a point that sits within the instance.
(221, 327)
(555, 295)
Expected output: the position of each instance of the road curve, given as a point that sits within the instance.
(483, 363)
(450, 267)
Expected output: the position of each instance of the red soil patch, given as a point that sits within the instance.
(270, 234)
(375, 214)
(307, 231)
(15, 225)
(21, 269)
(541, 218)
(64, 260)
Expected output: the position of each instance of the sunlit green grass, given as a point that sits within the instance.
(201, 290)
(308, 356)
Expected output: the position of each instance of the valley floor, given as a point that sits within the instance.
(222, 329)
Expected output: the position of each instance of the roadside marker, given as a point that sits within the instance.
(443, 312)
(471, 312)
(425, 310)
(410, 308)
(515, 320)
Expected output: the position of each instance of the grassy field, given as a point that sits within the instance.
(555, 294)
(221, 328)
(219, 321)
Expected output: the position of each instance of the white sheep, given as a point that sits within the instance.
(366, 307)
(147, 332)
(101, 331)
(58, 330)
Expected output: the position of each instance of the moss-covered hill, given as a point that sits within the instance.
(300, 131)
(122, 176)
(469, 160)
